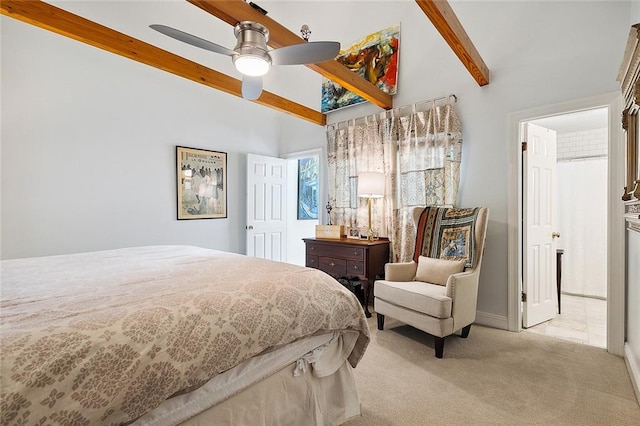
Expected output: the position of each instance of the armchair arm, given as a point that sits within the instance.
(403, 272)
(463, 290)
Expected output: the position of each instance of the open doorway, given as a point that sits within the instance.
(616, 299)
(580, 227)
(283, 204)
(304, 195)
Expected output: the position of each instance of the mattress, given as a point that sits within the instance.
(107, 337)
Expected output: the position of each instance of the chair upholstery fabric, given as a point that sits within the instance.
(417, 295)
(435, 309)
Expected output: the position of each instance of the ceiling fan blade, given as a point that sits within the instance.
(192, 40)
(305, 53)
(251, 87)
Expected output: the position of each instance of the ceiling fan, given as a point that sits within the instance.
(251, 56)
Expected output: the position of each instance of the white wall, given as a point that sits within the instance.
(582, 223)
(539, 53)
(635, 12)
(68, 107)
(582, 211)
(88, 148)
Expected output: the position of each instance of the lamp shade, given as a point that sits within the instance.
(371, 184)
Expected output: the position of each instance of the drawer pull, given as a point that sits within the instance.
(356, 253)
(355, 267)
(312, 261)
(332, 264)
(312, 248)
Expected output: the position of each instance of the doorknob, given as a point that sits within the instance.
(555, 235)
(249, 227)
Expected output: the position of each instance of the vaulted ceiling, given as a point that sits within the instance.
(62, 22)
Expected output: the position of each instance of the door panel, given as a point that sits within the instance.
(266, 210)
(539, 247)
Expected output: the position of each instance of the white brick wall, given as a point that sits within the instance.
(583, 144)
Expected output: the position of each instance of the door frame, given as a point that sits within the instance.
(616, 300)
(322, 193)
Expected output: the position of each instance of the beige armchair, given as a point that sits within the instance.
(437, 292)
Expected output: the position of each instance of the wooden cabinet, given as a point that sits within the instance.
(350, 258)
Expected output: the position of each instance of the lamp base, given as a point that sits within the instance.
(370, 236)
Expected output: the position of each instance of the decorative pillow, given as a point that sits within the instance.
(446, 233)
(437, 271)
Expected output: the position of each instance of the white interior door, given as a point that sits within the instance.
(539, 248)
(266, 207)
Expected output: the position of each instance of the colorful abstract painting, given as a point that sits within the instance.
(375, 58)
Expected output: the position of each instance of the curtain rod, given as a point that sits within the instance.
(396, 110)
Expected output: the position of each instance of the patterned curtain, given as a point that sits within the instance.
(429, 154)
(420, 155)
(363, 147)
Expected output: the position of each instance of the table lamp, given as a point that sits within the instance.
(370, 185)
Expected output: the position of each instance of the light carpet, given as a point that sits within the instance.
(493, 377)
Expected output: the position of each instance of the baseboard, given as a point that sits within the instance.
(634, 369)
(492, 320)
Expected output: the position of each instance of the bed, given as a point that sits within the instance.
(167, 335)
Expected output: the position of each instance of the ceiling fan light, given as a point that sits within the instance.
(251, 65)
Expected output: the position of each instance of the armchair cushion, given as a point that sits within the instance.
(437, 271)
(417, 296)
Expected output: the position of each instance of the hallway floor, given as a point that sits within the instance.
(583, 320)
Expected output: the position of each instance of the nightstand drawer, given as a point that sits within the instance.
(345, 252)
(312, 262)
(349, 252)
(332, 266)
(355, 268)
(315, 249)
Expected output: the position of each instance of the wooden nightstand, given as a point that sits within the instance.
(349, 258)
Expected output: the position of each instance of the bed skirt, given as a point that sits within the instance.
(309, 382)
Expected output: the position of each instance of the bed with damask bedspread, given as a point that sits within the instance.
(176, 335)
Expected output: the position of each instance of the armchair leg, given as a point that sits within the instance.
(380, 318)
(439, 344)
(465, 331)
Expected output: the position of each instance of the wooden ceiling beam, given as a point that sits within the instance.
(446, 22)
(61, 22)
(234, 11)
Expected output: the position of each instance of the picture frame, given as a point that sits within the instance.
(201, 181)
(629, 79)
(308, 188)
(353, 233)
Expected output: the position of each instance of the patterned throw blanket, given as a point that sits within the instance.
(446, 233)
(105, 337)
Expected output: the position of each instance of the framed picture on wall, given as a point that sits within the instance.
(308, 188)
(629, 79)
(202, 183)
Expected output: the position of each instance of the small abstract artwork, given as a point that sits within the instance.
(308, 188)
(375, 58)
